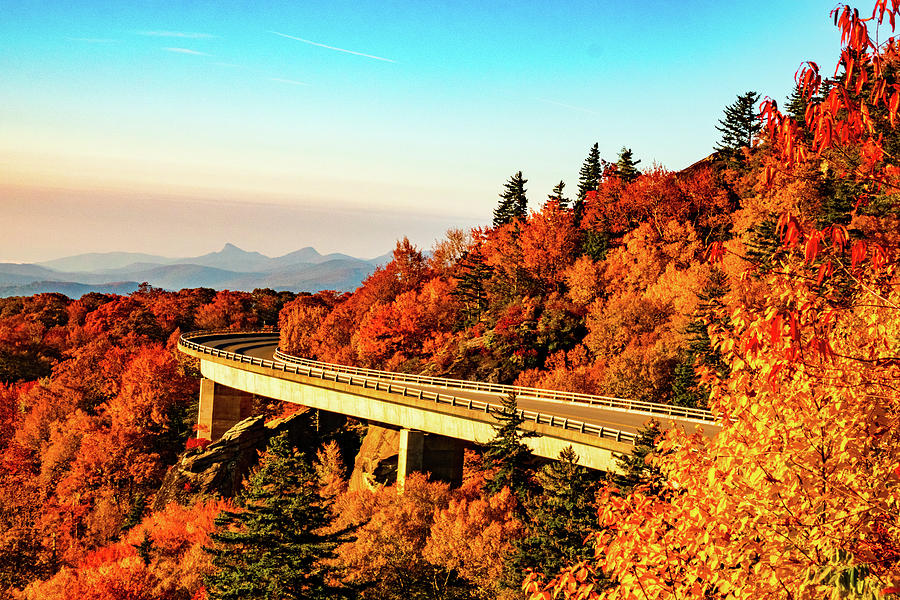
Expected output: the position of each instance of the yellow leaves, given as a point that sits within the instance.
(583, 280)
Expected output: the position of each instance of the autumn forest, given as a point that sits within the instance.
(760, 283)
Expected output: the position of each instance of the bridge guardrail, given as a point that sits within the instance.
(524, 392)
(377, 383)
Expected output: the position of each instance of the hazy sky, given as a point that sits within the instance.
(173, 128)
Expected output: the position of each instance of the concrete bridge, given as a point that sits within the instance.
(435, 415)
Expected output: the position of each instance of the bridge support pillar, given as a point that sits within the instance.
(221, 408)
(410, 455)
(440, 456)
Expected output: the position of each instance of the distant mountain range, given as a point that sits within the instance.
(230, 268)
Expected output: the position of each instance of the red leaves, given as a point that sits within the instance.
(789, 229)
(808, 78)
(881, 8)
(858, 254)
(879, 256)
(795, 327)
(824, 269)
(893, 106)
(839, 236)
(776, 324)
(751, 343)
(715, 253)
(822, 346)
(812, 246)
(193, 443)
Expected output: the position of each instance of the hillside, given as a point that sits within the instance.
(762, 283)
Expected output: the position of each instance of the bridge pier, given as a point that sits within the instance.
(221, 407)
(440, 456)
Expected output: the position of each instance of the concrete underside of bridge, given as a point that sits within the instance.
(409, 413)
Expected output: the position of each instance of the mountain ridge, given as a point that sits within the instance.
(303, 270)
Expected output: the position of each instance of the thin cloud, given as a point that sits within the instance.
(336, 49)
(187, 51)
(91, 40)
(569, 106)
(177, 34)
(289, 81)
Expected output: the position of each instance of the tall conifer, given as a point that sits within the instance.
(506, 452)
(740, 124)
(277, 546)
(559, 518)
(626, 167)
(590, 173)
(513, 202)
(558, 194)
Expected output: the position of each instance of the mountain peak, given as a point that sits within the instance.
(229, 247)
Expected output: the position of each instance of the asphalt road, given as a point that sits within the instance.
(264, 345)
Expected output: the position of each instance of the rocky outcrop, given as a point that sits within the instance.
(376, 462)
(221, 467)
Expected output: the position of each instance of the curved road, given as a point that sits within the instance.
(263, 346)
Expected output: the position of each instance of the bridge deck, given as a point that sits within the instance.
(580, 422)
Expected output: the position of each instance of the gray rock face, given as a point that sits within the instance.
(220, 469)
(376, 463)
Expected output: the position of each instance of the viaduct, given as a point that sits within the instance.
(435, 416)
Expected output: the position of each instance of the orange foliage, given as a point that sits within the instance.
(797, 496)
(172, 569)
(394, 528)
(548, 242)
(473, 537)
(229, 310)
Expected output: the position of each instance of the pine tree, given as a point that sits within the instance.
(506, 453)
(557, 193)
(277, 546)
(635, 472)
(740, 124)
(796, 106)
(513, 203)
(687, 389)
(626, 166)
(590, 173)
(470, 286)
(559, 519)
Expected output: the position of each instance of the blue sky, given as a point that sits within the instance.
(417, 109)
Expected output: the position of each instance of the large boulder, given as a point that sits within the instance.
(220, 468)
(376, 462)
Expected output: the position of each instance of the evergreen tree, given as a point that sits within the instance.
(595, 243)
(741, 123)
(635, 472)
(470, 286)
(590, 173)
(687, 389)
(559, 519)
(764, 247)
(513, 203)
(796, 106)
(557, 193)
(626, 166)
(277, 547)
(506, 453)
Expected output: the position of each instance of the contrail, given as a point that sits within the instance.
(311, 43)
(186, 51)
(176, 34)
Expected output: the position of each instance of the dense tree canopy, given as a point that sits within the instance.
(760, 282)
